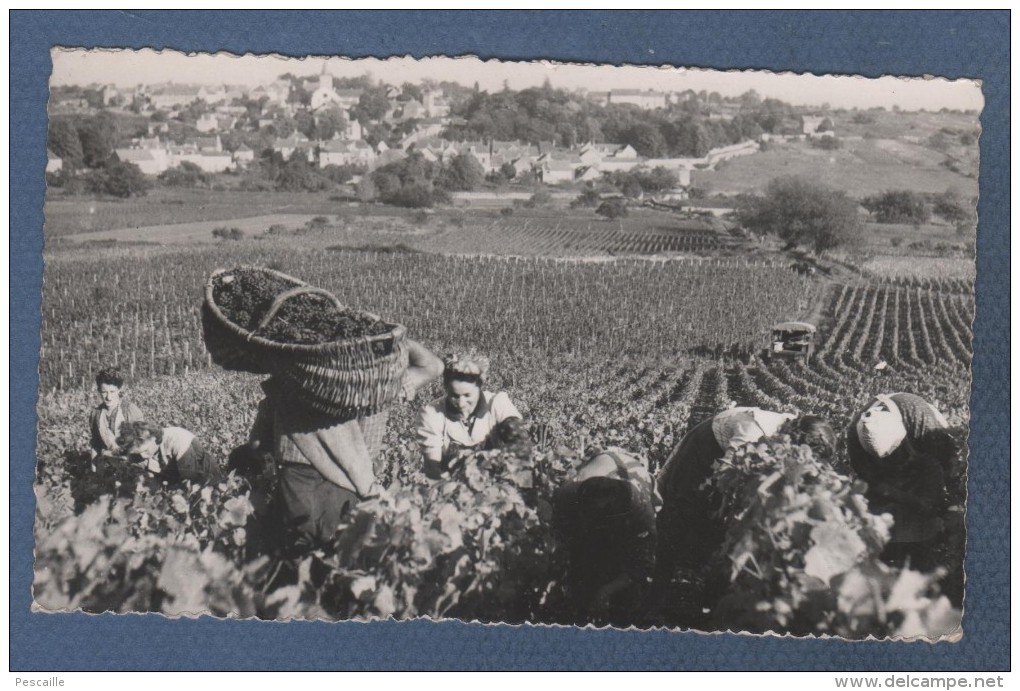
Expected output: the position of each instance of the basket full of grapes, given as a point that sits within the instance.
(334, 359)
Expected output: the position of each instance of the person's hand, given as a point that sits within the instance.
(408, 389)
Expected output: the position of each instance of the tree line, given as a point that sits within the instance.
(568, 119)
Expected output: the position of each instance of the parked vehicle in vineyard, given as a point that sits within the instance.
(792, 339)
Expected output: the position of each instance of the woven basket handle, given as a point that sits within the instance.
(287, 295)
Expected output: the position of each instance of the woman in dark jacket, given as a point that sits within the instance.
(900, 445)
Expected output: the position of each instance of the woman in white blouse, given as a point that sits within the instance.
(464, 417)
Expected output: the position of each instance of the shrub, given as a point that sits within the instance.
(803, 212)
(612, 208)
(898, 206)
(826, 143)
(952, 208)
(506, 211)
(119, 180)
(589, 198)
(187, 174)
(541, 197)
(224, 233)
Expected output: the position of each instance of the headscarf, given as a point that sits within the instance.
(468, 365)
(881, 428)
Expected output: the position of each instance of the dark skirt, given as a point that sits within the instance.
(311, 507)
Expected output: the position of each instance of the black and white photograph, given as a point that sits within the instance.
(506, 342)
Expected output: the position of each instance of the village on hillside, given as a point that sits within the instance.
(361, 126)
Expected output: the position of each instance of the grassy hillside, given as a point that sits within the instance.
(860, 167)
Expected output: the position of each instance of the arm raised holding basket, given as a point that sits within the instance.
(334, 374)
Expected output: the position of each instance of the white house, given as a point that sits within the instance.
(209, 163)
(523, 164)
(588, 173)
(353, 130)
(173, 96)
(338, 152)
(285, 146)
(621, 158)
(53, 162)
(348, 98)
(557, 170)
(204, 144)
(148, 161)
(590, 155)
(146, 143)
(436, 105)
(207, 123)
(243, 155)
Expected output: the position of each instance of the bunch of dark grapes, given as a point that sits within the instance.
(244, 296)
(311, 319)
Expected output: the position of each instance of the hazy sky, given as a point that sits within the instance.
(128, 67)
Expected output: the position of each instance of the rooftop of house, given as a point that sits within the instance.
(132, 155)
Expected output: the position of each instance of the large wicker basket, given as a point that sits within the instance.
(354, 377)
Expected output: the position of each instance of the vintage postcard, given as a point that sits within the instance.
(506, 342)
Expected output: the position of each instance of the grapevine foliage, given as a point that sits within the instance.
(476, 545)
(803, 553)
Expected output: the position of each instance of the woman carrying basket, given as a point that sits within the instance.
(325, 464)
(334, 372)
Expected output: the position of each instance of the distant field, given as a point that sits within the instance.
(192, 232)
(548, 231)
(579, 233)
(901, 239)
(71, 215)
(860, 168)
(920, 267)
(892, 125)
